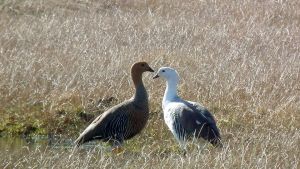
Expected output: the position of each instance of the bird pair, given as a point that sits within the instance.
(185, 119)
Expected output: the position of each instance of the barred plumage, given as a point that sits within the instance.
(184, 118)
(124, 120)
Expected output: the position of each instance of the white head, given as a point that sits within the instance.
(167, 73)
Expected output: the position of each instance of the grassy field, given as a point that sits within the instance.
(63, 62)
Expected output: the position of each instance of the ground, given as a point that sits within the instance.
(64, 62)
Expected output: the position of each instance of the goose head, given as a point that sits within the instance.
(168, 74)
(141, 67)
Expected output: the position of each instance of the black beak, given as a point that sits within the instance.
(156, 76)
(150, 69)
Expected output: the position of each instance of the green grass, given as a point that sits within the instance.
(61, 62)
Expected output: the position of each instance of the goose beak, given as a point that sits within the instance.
(156, 76)
(150, 69)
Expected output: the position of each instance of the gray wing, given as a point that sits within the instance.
(201, 109)
(190, 120)
(198, 120)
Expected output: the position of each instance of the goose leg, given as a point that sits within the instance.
(116, 146)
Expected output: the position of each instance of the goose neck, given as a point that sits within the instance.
(171, 91)
(136, 78)
(140, 95)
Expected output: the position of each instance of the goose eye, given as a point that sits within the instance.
(163, 70)
(143, 65)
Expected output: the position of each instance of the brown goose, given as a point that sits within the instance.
(124, 120)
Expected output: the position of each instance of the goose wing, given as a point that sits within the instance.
(198, 120)
(112, 122)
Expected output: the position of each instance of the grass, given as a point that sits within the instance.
(64, 62)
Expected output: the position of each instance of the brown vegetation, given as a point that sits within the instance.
(63, 62)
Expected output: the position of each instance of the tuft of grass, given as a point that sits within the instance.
(62, 63)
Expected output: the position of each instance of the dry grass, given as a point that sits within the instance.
(241, 59)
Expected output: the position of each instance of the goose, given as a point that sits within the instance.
(122, 121)
(186, 118)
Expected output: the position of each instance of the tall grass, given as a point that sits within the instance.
(64, 62)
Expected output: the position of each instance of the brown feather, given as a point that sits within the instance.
(124, 120)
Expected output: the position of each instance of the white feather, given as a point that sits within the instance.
(172, 104)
